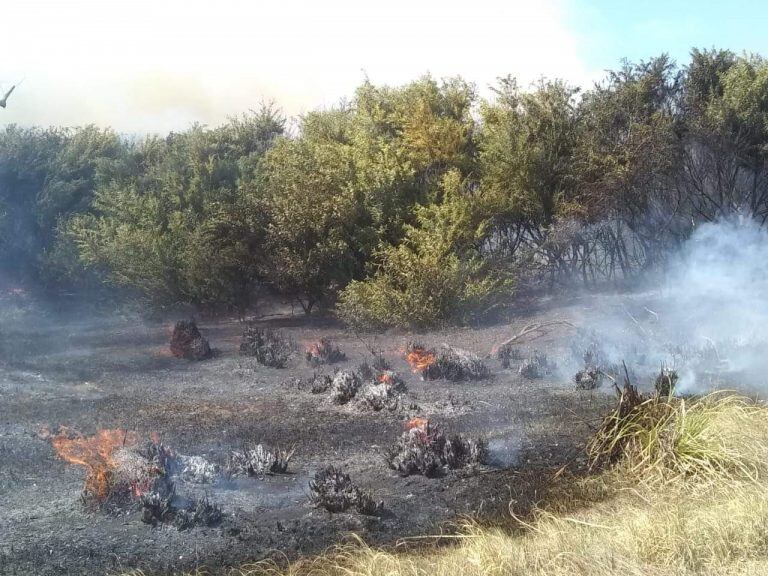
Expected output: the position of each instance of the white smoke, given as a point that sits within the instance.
(706, 316)
(718, 298)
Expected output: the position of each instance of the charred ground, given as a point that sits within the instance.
(115, 372)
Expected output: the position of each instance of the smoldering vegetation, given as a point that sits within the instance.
(704, 325)
(425, 449)
(448, 362)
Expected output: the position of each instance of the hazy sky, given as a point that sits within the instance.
(142, 65)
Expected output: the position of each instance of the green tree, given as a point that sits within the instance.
(318, 233)
(179, 227)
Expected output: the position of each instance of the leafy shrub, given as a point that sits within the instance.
(435, 276)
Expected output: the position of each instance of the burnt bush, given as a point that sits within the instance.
(334, 490)
(384, 392)
(162, 505)
(202, 512)
(258, 461)
(188, 343)
(324, 351)
(665, 382)
(588, 379)
(369, 371)
(157, 506)
(507, 355)
(318, 383)
(269, 348)
(451, 363)
(344, 386)
(424, 449)
(537, 365)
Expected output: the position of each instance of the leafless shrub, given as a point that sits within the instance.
(197, 469)
(269, 348)
(324, 351)
(334, 490)
(537, 365)
(507, 355)
(259, 461)
(188, 343)
(665, 382)
(203, 512)
(384, 392)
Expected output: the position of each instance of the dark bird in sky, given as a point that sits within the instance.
(4, 99)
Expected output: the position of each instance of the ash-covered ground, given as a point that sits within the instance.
(116, 372)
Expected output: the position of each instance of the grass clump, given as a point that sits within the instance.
(659, 437)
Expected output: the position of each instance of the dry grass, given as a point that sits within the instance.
(688, 496)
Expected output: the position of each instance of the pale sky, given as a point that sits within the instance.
(159, 65)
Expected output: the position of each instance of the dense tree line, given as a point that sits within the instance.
(411, 205)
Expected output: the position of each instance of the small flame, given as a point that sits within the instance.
(420, 359)
(385, 378)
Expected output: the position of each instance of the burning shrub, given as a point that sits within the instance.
(424, 449)
(188, 343)
(344, 386)
(422, 360)
(450, 363)
(384, 392)
(259, 461)
(269, 348)
(96, 455)
(324, 352)
(665, 382)
(334, 490)
(537, 365)
(377, 366)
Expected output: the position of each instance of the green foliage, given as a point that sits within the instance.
(434, 276)
(412, 203)
(179, 229)
(317, 233)
(526, 149)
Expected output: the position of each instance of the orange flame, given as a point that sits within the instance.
(420, 359)
(94, 453)
(385, 378)
(421, 424)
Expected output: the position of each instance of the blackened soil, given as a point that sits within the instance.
(116, 372)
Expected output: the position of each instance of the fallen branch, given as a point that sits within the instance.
(531, 332)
